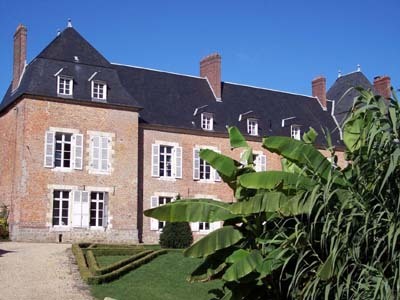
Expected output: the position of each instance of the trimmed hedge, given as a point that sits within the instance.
(96, 270)
(114, 251)
(90, 271)
(125, 269)
(81, 261)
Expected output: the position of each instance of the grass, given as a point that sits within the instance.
(104, 261)
(163, 278)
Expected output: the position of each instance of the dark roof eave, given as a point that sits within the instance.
(70, 101)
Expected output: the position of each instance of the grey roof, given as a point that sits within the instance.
(343, 100)
(168, 99)
(39, 77)
(171, 99)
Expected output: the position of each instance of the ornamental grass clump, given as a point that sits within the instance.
(312, 230)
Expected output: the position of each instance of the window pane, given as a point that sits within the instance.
(56, 221)
(92, 222)
(65, 204)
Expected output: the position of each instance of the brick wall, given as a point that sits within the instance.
(33, 182)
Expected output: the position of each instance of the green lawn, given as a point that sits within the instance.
(164, 278)
(104, 261)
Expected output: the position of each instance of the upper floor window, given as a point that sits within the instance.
(207, 121)
(64, 85)
(63, 150)
(202, 170)
(295, 132)
(100, 152)
(166, 160)
(99, 90)
(259, 161)
(252, 126)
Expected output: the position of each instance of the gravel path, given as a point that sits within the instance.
(39, 271)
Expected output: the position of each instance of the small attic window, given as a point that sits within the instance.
(207, 121)
(99, 90)
(64, 85)
(295, 132)
(252, 126)
(76, 58)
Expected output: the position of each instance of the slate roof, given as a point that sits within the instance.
(38, 78)
(344, 102)
(168, 99)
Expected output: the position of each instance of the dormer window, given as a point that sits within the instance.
(64, 85)
(207, 121)
(99, 90)
(252, 126)
(295, 132)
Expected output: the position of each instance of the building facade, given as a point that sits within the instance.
(88, 145)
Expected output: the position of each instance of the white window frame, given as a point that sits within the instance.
(214, 176)
(207, 121)
(252, 127)
(176, 160)
(155, 202)
(97, 201)
(100, 85)
(260, 161)
(295, 132)
(61, 200)
(76, 155)
(195, 226)
(102, 138)
(61, 81)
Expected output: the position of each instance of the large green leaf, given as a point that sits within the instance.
(274, 260)
(243, 265)
(273, 179)
(223, 164)
(326, 270)
(301, 153)
(219, 239)
(194, 210)
(352, 130)
(263, 202)
(236, 138)
(310, 136)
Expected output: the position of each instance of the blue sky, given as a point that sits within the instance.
(274, 44)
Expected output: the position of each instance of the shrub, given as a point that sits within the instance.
(176, 235)
(4, 232)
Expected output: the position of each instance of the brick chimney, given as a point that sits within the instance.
(382, 86)
(210, 67)
(19, 54)
(319, 90)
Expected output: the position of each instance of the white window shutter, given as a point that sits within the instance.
(155, 160)
(105, 210)
(196, 164)
(263, 162)
(49, 149)
(77, 209)
(78, 151)
(216, 175)
(178, 162)
(104, 153)
(95, 151)
(194, 226)
(215, 226)
(153, 222)
(85, 208)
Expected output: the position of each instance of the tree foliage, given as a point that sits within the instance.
(312, 230)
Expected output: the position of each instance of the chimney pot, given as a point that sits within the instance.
(19, 54)
(210, 67)
(382, 86)
(319, 90)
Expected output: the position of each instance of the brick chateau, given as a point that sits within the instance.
(88, 145)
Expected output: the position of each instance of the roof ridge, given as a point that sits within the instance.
(161, 71)
(267, 89)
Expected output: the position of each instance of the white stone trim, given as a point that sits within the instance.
(64, 130)
(165, 194)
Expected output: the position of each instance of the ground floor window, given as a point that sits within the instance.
(204, 226)
(162, 201)
(61, 208)
(96, 209)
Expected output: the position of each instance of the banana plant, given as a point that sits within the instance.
(311, 230)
